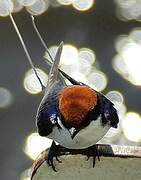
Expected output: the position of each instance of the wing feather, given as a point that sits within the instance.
(108, 112)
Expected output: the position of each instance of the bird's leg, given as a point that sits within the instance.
(93, 151)
(53, 152)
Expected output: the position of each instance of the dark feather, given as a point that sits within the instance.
(46, 119)
(48, 112)
(108, 112)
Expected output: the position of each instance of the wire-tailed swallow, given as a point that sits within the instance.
(74, 116)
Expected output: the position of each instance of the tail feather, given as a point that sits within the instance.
(53, 74)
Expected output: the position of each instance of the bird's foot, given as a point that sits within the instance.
(53, 152)
(93, 152)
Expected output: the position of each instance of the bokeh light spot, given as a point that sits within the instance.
(82, 5)
(132, 126)
(6, 6)
(119, 65)
(39, 7)
(127, 62)
(70, 69)
(31, 83)
(65, 2)
(5, 97)
(118, 100)
(125, 3)
(87, 54)
(135, 35)
(52, 50)
(55, 3)
(121, 109)
(132, 56)
(27, 2)
(128, 9)
(115, 96)
(97, 80)
(35, 144)
(17, 6)
(69, 55)
(79, 76)
(121, 42)
(84, 66)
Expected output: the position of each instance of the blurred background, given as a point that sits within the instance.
(102, 49)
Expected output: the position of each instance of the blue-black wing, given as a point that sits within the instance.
(46, 119)
(108, 111)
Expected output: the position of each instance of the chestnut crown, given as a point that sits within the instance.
(75, 102)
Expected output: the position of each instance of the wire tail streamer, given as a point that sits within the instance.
(49, 61)
(41, 39)
(25, 49)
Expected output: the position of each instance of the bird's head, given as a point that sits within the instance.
(75, 102)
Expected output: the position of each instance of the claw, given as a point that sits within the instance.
(93, 151)
(58, 160)
(53, 152)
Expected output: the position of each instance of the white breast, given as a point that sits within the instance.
(86, 137)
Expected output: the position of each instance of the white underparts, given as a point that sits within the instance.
(86, 137)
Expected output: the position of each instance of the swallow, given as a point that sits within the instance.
(75, 116)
